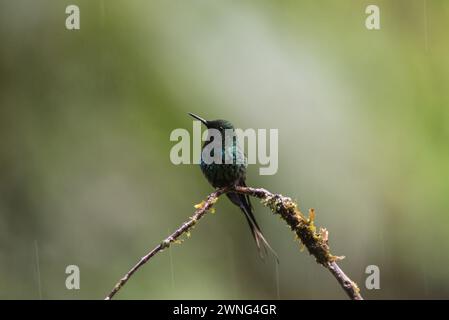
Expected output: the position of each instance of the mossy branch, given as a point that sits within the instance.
(315, 241)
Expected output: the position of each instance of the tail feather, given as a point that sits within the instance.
(245, 205)
(262, 243)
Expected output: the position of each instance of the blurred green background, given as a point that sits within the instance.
(85, 120)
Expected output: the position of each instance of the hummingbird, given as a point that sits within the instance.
(231, 173)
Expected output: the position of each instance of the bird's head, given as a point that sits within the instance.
(220, 125)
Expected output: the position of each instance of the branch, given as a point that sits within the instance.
(184, 228)
(304, 228)
(315, 242)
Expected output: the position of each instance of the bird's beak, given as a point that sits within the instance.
(198, 118)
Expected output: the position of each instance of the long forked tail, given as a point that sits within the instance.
(262, 243)
(245, 205)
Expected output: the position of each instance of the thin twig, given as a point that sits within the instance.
(315, 242)
(199, 213)
(346, 283)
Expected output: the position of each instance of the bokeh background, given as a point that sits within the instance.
(85, 120)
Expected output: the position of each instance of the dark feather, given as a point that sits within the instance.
(243, 202)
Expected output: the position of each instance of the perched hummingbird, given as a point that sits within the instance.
(226, 174)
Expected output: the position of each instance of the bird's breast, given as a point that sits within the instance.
(229, 170)
(222, 175)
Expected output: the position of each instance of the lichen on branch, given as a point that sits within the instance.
(304, 227)
(316, 242)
